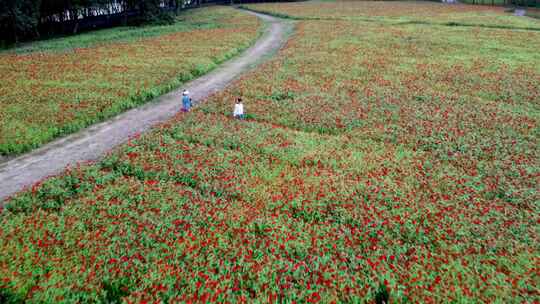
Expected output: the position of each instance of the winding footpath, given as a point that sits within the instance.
(94, 142)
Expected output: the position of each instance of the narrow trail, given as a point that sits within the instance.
(94, 142)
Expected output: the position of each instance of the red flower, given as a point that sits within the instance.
(315, 297)
(151, 182)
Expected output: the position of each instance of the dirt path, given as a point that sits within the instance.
(95, 141)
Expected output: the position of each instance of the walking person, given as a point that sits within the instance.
(186, 101)
(238, 109)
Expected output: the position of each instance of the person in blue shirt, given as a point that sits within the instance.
(186, 101)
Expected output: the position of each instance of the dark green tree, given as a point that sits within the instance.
(18, 19)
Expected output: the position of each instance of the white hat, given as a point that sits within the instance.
(186, 92)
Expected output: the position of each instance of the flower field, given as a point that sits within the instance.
(57, 87)
(378, 162)
(400, 12)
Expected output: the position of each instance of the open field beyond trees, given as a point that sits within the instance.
(56, 87)
(379, 160)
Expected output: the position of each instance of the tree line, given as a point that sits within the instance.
(31, 19)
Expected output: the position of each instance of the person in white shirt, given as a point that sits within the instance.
(238, 109)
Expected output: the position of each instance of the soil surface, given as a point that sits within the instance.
(94, 142)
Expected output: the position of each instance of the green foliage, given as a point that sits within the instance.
(382, 296)
(9, 297)
(114, 291)
(22, 18)
(151, 13)
(18, 18)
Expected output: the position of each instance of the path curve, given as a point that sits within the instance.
(94, 142)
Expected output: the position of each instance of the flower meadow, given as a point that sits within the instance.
(64, 85)
(400, 12)
(378, 162)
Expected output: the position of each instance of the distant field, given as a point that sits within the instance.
(378, 162)
(533, 13)
(485, 2)
(401, 12)
(523, 3)
(56, 87)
